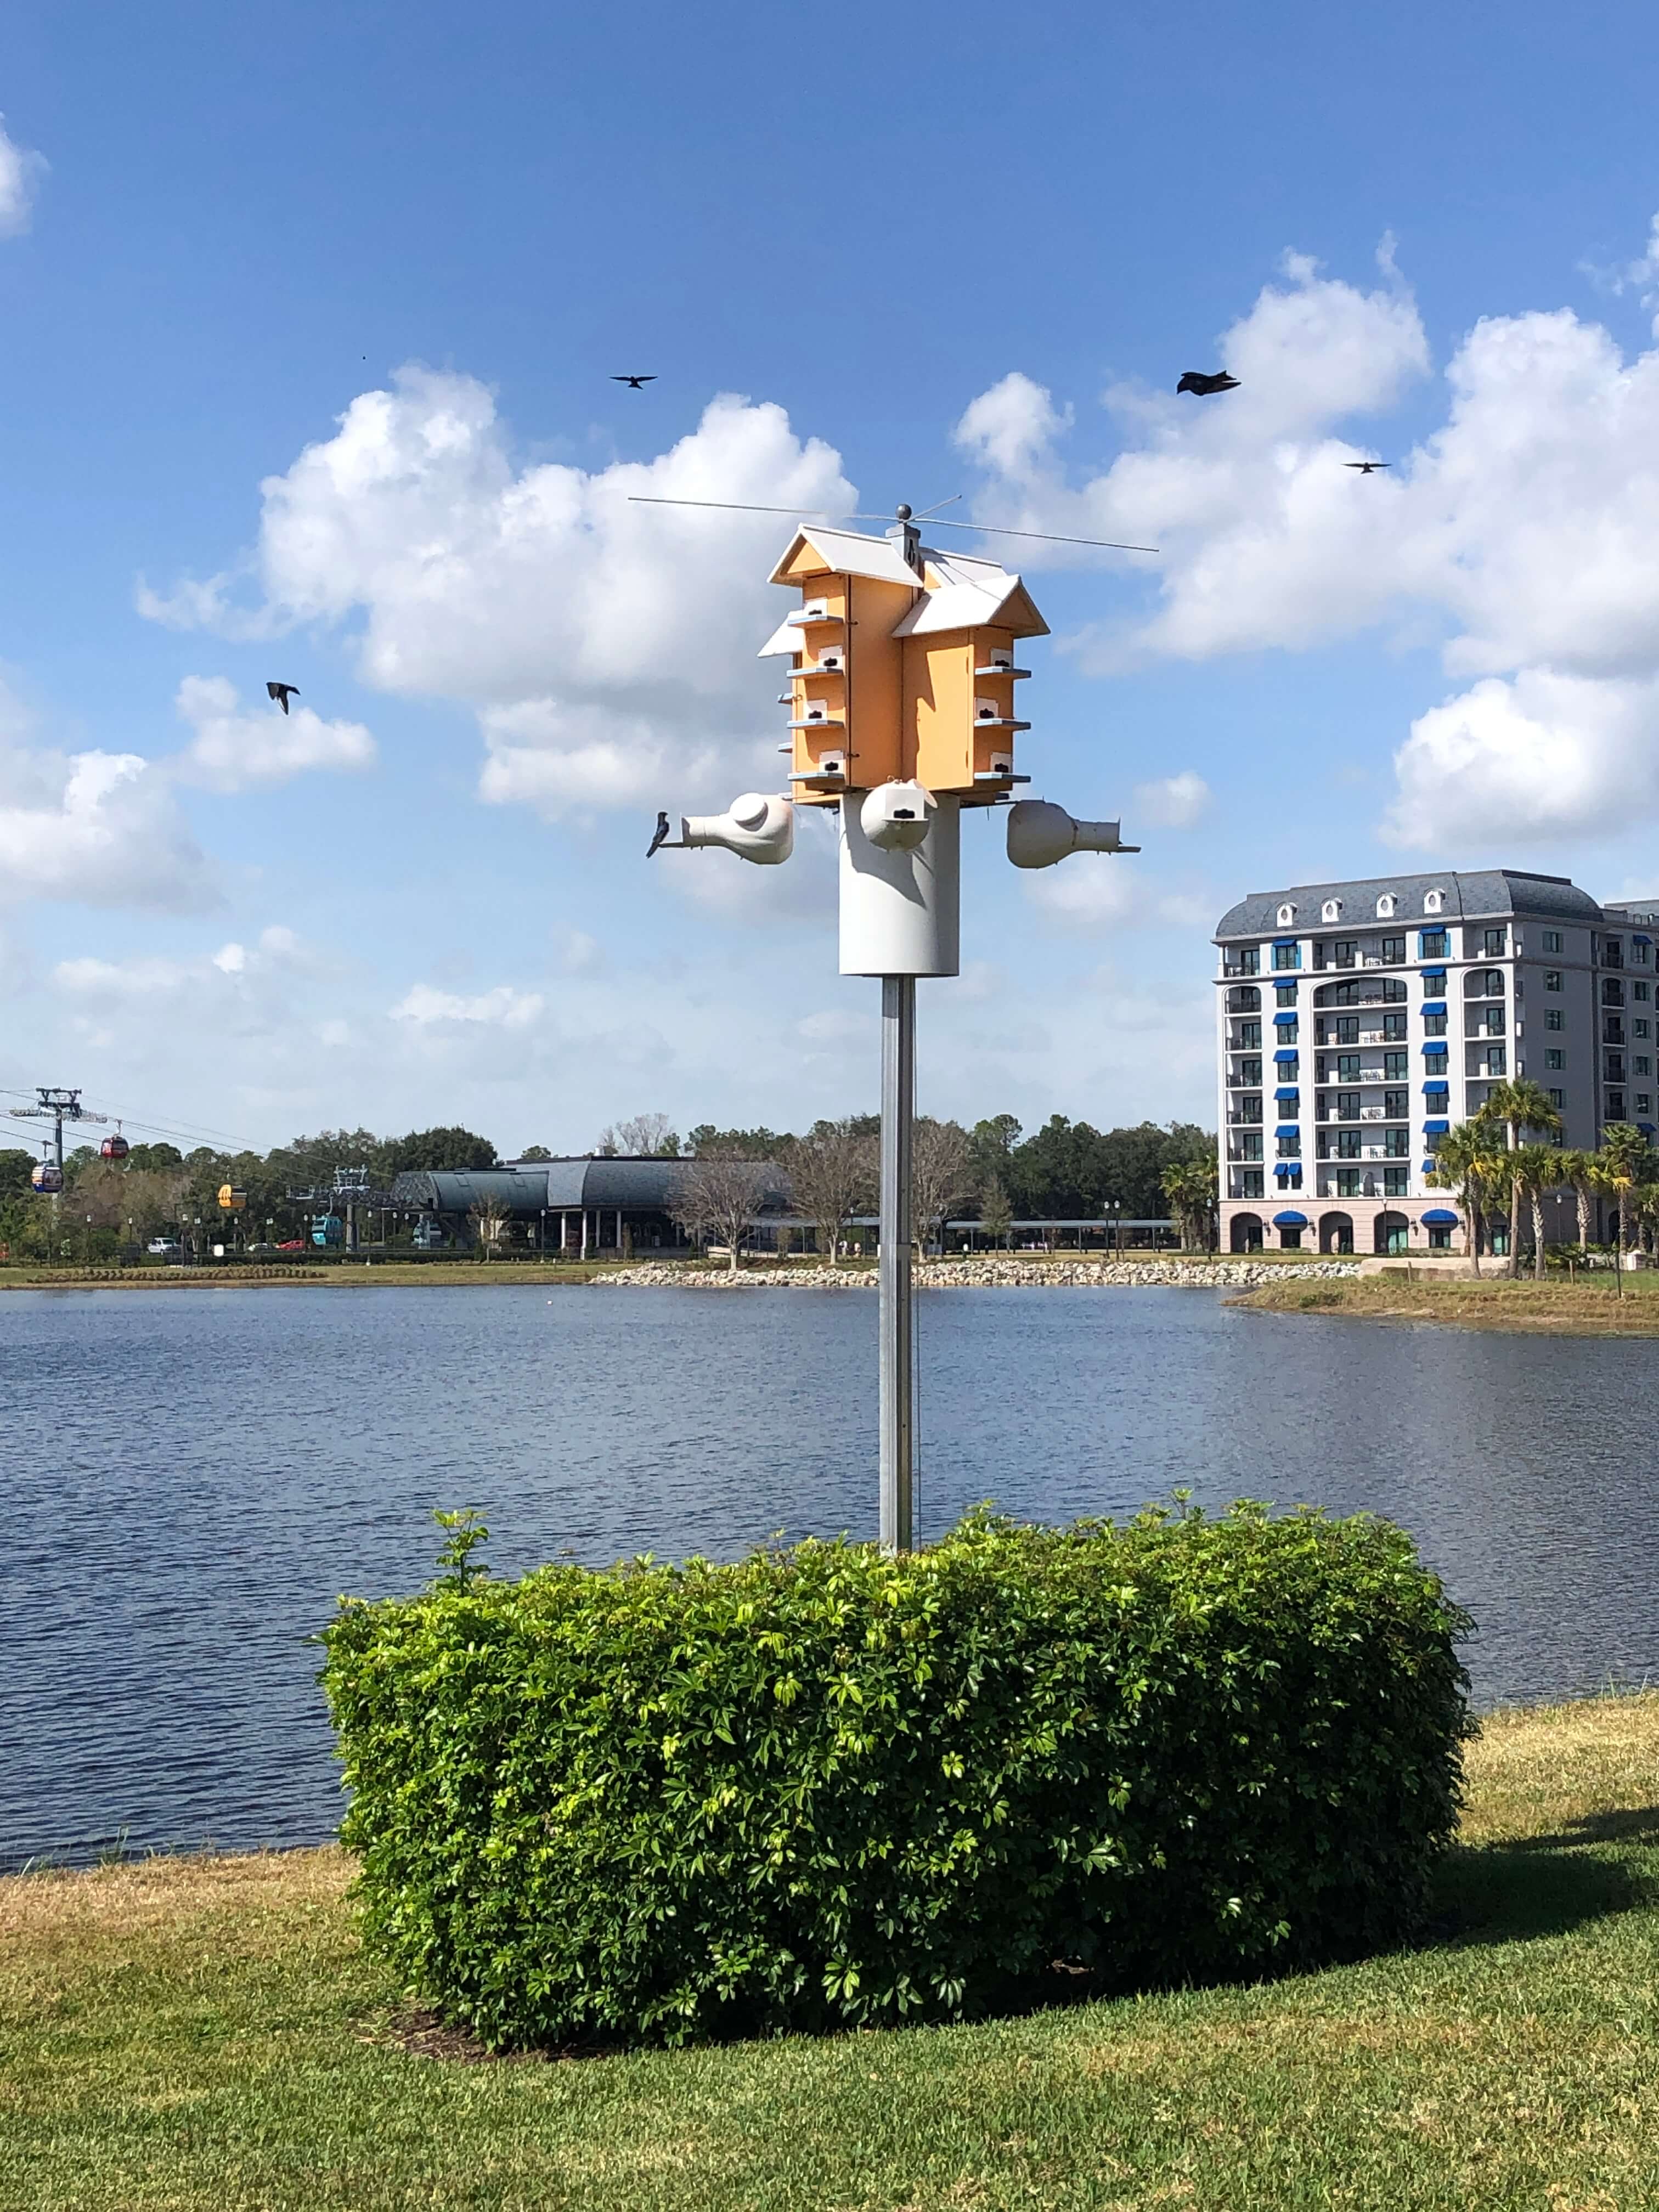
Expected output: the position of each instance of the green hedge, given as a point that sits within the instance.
(823, 1787)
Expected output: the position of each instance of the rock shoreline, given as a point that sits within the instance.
(988, 1273)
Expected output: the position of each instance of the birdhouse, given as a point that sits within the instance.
(902, 666)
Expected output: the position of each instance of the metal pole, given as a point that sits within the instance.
(898, 1099)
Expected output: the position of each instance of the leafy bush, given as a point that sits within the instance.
(823, 1786)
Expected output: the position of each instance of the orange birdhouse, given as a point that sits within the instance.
(902, 666)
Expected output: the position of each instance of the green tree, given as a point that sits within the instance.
(1626, 1159)
(16, 1167)
(1581, 1171)
(1467, 1162)
(1533, 1169)
(1520, 1105)
(429, 1151)
(737, 1144)
(996, 1216)
(1189, 1185)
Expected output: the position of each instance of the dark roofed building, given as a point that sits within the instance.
(581, 1205)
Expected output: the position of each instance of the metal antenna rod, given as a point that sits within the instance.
(898, 1100)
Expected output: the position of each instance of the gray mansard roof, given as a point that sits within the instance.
(1478, 896)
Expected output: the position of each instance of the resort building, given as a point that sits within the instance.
(1356, 1022)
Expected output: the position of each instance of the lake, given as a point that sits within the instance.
(193, 1475)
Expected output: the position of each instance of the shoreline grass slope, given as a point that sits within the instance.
(206, 2032)
(1558, 1306)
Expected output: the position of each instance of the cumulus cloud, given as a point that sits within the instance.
(1173, 802)
(1522, 533)
(603, 645)
(501, 1008)
(233, 746)
(276, 952)
(21, 172)
(100, 827)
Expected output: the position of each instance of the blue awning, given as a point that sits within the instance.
(1435, 1087)
(1287, 1052)
(1289, 1219)
(1287, 1129)
(1433, 1006)
(1286, 1097)
(1434, 975)
(1286, 1169)
(1287, 940)
(1435, 1048)
(1436, 1128)
(1441, 1217)
(1636, 938)
(1431, 1167)
(1284, 1021)
(1646, 1128)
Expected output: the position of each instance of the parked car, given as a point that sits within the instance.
(164, 1248)
(293, 1244)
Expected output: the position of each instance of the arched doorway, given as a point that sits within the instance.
(1393, 1234)
(1289, 1224)
(1336, 1232)
(1246, 1233)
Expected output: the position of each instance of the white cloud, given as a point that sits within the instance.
(1522, 533)
(608, 648)
(100, 827)
(235, 970)
(1174, 802)
(21, 172)
(501, 1008)
(233, 746)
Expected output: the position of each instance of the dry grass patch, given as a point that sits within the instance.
(1586, 1306)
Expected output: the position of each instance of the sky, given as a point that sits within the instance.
(311, 317)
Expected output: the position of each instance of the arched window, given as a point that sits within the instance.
(1331, 911)
(1286, 915)
(1433, 901)
(1385, 907)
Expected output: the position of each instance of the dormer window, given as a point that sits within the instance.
(1331, 911)
(1286, 915)
(1385, 907)
(1433, 901)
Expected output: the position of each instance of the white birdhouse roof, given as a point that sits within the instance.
(962, 594)
(846, 553)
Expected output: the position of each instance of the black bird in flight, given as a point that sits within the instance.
(1365, 467)
(660, 837)
(634, 383)
(282, 693)
(1196, 380)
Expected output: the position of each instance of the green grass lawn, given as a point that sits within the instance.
(1561, 1305)
(205, 2033)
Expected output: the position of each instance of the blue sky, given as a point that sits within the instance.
(920, 251)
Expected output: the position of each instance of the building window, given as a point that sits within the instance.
(1496, 1061)
(1247, 962)
(1288, 1178)
(1639, 953)
(1331, 911)
(1395, 1182)
(1397, 1143)
(1394, 1066)
(1348, 1144)
(1345, 1029)
(1393, 951)
(1249, 1036)
(1250, 1145)
(1641, 993)
(1284, 995)
(1615, 1105)
(1552, 940)
(1434, 985)
(1347, 1105)
(1613, 952)
(1640, 1028)
(1492, 1021)
(1336, 952)
(1394, 1028)
(1494, 942)
(1288, 1033)
(1347, 1067)
(1395, 1105)
(1288, 1071)
(1641, 1065)
(1286, 915)
(1250, 1070)
(1249, 1109)
(1433, 945)
(1287, 956)
(1614, 1070)
(1483, 984)
(1553, 1018)
(1348, 1182)
(1434, 1025)
(1644, 1101)
(1434, 1063)
(1551, 979)
(1555, 1057)
(1290, 1148)
(1433, 902)
(1439, 1238)
(1250, 1184)
(1385, 907)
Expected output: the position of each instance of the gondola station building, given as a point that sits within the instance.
(1358, 1022)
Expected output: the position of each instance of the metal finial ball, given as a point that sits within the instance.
(902, 512)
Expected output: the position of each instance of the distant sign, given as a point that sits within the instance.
(232, 1200)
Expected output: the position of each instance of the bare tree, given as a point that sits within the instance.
(716, 1199)
(832, 1174)
(996, 1216)
(645, 1136)
(941, 1175)
(490, 1220)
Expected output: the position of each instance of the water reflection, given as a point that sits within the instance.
(194, 1476)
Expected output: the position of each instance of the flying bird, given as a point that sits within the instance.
(282, 693)
(1198, 380)
(634, 383)
(660, 836)
(1365, 467)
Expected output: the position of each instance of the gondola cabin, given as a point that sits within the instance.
(327, 1228)
(115, 1148)
(48, 1178)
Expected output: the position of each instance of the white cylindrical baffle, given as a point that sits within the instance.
(901, 912)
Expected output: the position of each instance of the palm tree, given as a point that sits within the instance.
(1582, 1170)
(1626, 1156)
(1190, 1188)
(1519, 1105)
(1534, 1168)
(1466, 1163)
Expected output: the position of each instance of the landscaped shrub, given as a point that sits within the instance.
(823, 1786)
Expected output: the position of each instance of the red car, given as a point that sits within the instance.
(293, 1244)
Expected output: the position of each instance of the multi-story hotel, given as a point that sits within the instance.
(1358, 1022)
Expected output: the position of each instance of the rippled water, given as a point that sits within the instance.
(192, 1476)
